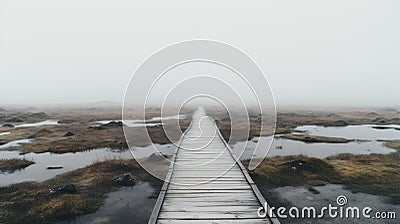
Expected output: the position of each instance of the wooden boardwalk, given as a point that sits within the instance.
(205, 183)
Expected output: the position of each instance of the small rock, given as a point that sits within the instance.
(125, 180)
(54, 167)
(313, 190)
(70, 133)
(8, 125)
(64, 189)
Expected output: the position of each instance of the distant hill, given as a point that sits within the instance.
(97, 104)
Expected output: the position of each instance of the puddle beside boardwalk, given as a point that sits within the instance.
(301, 197)
(127, 205)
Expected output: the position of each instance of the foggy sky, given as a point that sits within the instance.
(313, 52)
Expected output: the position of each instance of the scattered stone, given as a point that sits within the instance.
(54, 167)
(311, 165)
(70, 133)
(64, 189)
(313, 190)
(125, 180)
(156, 157)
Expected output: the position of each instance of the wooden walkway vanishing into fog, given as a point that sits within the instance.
(205, 182)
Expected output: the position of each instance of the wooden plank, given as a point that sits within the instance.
(212, 208)
(226, 221)
(208, 215)
(207, 184)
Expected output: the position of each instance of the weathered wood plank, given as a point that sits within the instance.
(227, 221)
(207, 183)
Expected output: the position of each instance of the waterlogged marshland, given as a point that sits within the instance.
(125, 205)
(65, 162)
(84, 139)
(362, 139)
(322, 196)
(280, 147)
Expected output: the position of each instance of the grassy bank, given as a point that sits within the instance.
(394, 144)
(11, 165)
(373, 174)
(30, 202)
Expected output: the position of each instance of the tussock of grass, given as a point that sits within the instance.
(294, 171)
(394, 144)
(29, 202)
(11, 165)
(373, 174)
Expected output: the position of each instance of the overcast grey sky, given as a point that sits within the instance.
(314, 52)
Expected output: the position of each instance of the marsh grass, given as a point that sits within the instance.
(394, 144)
(30, 202)
(11, 165)
(374, 174)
